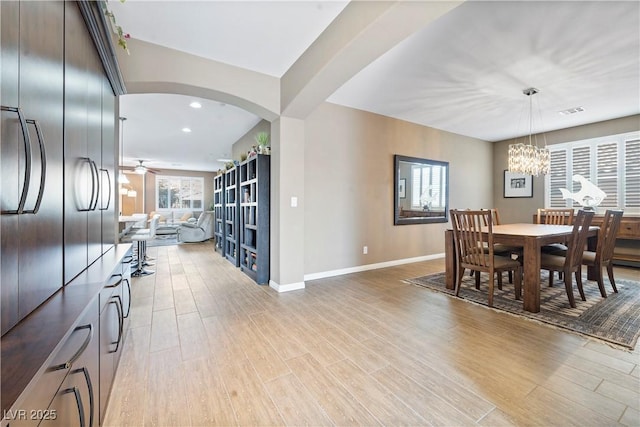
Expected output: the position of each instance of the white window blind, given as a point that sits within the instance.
(632, 173)
(612, 163)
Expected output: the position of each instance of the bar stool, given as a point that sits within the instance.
(142, 237)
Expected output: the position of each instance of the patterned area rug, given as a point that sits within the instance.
(615, 319)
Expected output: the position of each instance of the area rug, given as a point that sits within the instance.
(163, 240)
(615, 319)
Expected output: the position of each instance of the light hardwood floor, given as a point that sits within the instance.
(207, 346)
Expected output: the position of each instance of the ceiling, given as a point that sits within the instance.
(463, 73)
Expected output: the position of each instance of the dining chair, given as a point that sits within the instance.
(571, 262)
(555, 216)
(474, 248)
(603, 255)
(502, 249)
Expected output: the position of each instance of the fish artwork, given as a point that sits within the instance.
(589, 195)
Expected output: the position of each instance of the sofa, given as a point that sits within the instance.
(198, 231)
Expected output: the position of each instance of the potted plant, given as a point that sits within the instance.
(262, 138)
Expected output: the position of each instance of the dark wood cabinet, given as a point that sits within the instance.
(32, 151)
(89, 147)
(66, 389)
(254, 217)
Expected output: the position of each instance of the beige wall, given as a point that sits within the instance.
(349, 186)
(522, 209)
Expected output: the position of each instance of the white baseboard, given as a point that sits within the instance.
(357, 269)
(286, 288)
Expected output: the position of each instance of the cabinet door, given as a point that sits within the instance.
(94, 147)
(41, 99)
(10, 145)
(110, 346)
(76, 402)
(32, 80)
(108, 170)
(78, 176)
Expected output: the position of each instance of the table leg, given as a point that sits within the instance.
(531, 285)
(592, 271)
(449, 260)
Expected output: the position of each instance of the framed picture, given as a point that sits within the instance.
(402, 188)
(517, 185)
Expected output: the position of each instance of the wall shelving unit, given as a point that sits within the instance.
(231, 208)
(218, 212)
(254, 181)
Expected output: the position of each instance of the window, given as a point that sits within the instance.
(179, 192)
(612, 163)
(427, 182)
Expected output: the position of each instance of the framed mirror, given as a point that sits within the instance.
(421, 193)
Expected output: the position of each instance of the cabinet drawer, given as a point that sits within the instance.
(629, 230)
(31, 409)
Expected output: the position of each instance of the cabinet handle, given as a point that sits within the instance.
(129, 299)
(93, 186)
(115, 285)
(27, 155)
(76, 392)
(109, 198)
(78, 353)
(43, 166)
(118, 303)
(95, 175)
(87, 378)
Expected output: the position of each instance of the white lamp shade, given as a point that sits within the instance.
(122, 179)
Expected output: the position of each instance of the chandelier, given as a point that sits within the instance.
(529, 159)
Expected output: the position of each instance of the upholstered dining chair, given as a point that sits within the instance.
(475, 250)
(603, 255)
(571, 262)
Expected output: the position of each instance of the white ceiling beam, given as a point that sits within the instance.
(362, 32)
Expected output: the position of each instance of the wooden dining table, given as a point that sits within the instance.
(531, 237)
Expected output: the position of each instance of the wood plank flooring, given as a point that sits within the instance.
(207, 346)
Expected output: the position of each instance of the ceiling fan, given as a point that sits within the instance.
(140, 169)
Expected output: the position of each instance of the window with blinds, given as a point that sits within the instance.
(427, 182)
(611, 163)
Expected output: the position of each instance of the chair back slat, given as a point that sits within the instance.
(555, 216)
(578, 240)
(607, 236)
(469, 239)
(495, 215)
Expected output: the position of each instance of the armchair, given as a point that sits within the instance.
(199, 231)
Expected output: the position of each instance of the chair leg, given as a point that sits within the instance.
(550, 278)
(499, 274)
(611, 279)
(579, 282)
(459, 280)
(569, 286)
(510, 276)
(478, 279)
(491, 280)
(140, 271)
(600, 280)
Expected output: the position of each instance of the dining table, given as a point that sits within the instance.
(531, 237)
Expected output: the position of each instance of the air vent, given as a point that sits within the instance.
(570, 111)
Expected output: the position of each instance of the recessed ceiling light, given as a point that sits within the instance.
(570, 111)
(186, 130)
(224, 160)
(195, 104)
